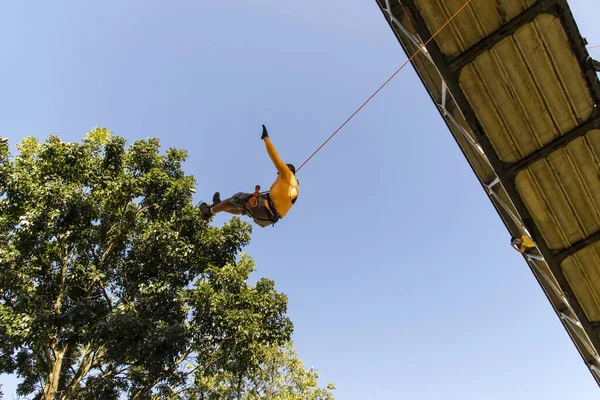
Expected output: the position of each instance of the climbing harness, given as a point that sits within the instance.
(420, 49)
(254, 201)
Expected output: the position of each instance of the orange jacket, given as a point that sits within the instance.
(286, 188)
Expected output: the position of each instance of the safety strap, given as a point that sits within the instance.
(253, 201)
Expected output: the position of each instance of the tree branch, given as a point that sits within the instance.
(84, 367)
(63, 277)
(106, 297)
(48, 359)
(111, 243)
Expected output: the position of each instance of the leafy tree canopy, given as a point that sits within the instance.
(280, 375)
(111, 283)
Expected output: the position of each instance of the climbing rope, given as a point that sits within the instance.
(593, 47)
(384, 84)
(254, 199)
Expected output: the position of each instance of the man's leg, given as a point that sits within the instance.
(233, 205)
(225, 206)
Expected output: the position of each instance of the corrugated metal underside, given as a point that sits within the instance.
(522, 88)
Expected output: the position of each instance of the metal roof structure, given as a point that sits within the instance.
(514, 84)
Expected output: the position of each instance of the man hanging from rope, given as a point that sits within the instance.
(522, 244)
(265, 208)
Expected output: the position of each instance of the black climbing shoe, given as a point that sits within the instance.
(264, 133)
(216, 198)
(206, 213)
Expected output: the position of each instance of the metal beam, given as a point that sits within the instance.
(577, 44)
(501, 33)
(595, 64)
(505, 178)
(396, 8)
(562, 141)
(561, 255)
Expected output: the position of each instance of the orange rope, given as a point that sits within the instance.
(385, 83)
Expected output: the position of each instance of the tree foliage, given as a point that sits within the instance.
(280, 375)
(111, 283)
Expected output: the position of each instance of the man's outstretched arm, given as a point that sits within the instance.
(279, 164)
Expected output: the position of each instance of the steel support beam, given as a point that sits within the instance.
(578, 43)
(506, 179)
(501, 33)
(561, 255)
(545, 151)
(595, 64)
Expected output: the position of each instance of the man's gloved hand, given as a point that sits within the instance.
(264, 133)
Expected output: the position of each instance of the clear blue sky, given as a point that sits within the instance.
(400, 277)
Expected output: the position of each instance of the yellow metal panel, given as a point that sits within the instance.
(479, 19)
(528, 90)
(583, 273)
(562, 192)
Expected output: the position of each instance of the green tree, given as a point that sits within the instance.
(111, 283)
(280, 375)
